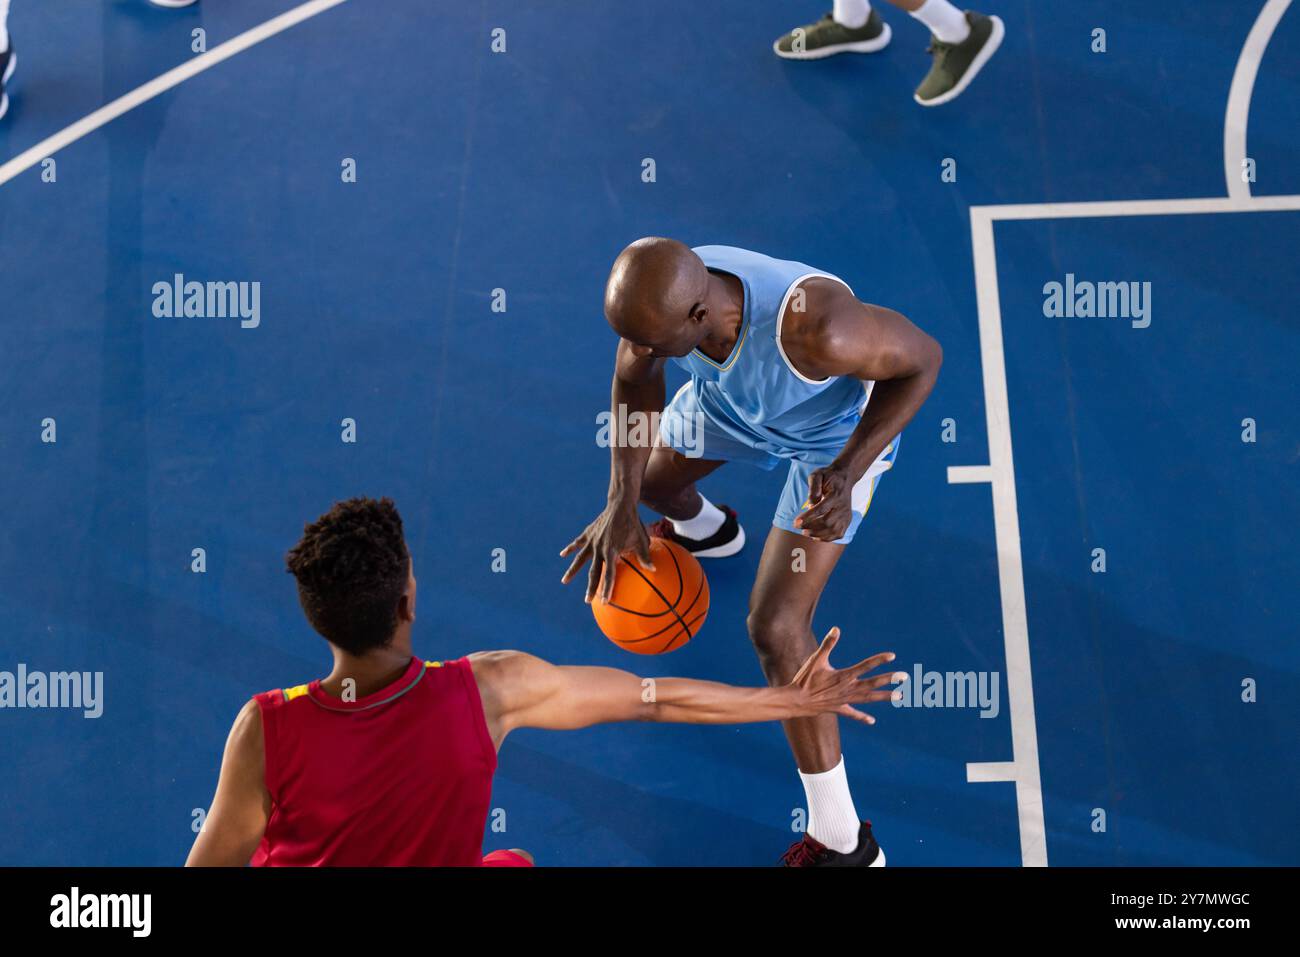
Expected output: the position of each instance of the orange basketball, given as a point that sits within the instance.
(652, 612)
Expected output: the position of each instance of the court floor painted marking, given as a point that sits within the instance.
(161, 84)
(1023, 768)
(969, 474)
(1237, 115)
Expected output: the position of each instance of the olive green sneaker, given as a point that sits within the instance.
(826, 38)
(956, 64)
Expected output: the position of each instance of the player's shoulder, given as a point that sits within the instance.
(816, 309)
(277, 698)
(508, 680)
(511, 674)
(720, 256)
(498, 665)
(710, 249)
(246, 731)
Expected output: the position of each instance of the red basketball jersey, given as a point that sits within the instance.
(401, 777)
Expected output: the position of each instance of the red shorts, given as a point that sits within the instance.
(506, 859)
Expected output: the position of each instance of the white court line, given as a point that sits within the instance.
(1135, 207)
(1237, 116)
(1023, 769)
(160, 84)
(969, 474)
(986, 771)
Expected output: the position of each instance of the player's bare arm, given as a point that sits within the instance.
(237, 818)
(520, 690)
(837, 335)
(638, 387)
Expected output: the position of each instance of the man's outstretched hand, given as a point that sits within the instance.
(821, 689)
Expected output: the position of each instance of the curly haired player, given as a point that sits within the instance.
(388, 760)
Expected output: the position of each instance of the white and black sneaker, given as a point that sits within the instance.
(811, 852)
(727, 540)
(8, 61)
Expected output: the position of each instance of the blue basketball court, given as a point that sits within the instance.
(1100, 510)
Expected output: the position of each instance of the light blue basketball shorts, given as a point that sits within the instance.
(705, 437)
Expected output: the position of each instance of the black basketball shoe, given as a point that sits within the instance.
(811, 852)
(727, 540)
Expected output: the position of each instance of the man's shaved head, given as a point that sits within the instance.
(655, 295)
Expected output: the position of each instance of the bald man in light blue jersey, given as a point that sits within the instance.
(788, 369)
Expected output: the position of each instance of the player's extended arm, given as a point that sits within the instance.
(522, 691)
(235, 822)
(840, 336)
(638, 387)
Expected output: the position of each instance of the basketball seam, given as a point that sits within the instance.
(662, 597)
(669, 647)
(634, 641)
(681, 585)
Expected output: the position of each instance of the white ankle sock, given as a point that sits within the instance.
(832, 818)
(852, 13)
(708, 521)
(944, 20)
(4, 25)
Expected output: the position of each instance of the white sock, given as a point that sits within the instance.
(852, 13)
(4, 25)
(944, 20)
(832, 818)
(708, 521)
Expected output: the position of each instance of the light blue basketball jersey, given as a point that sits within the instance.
(755, 394)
